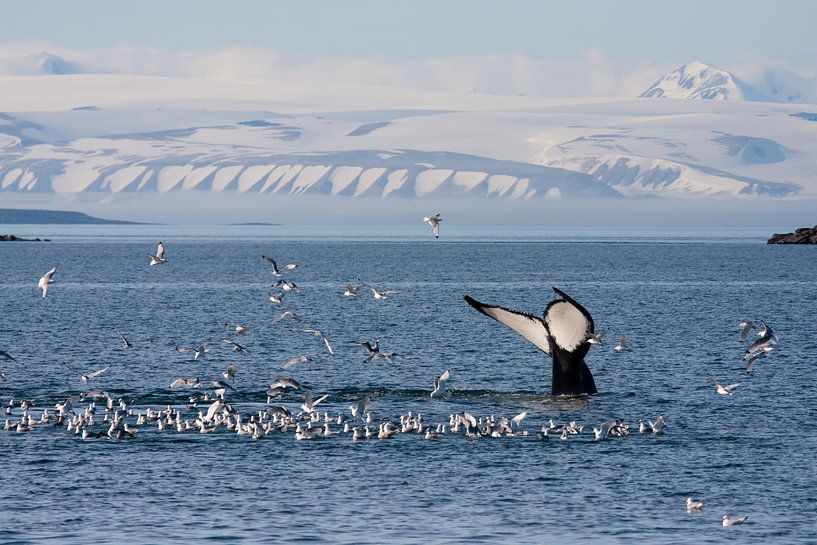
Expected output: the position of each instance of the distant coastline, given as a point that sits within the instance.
(804, 235)
(14, 238)
(54, 217)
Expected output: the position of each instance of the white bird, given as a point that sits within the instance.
(694, 505)
(93, 374)
(723, 390)
(598, 337)
(275, 270)
(284, 315)
(517, 420)
(766, 340)
(379, 295)
(351, 291)
(276, 298)
(47, 279)
(733, 522)
(287, 286)
(622, 345)
(434, 222)
(198, 352)
(229, 374)
(239, 329)
(439, 384)
(236, 347)
(362, 406)
(159, 258)
(658, 425)
(309, 404)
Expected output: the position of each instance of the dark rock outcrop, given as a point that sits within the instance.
(13, 238)
(804, 235)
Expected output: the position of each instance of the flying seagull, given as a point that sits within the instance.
(729, 389)
(297, 360)
(562, 332)
(159, 258)
(439, 384)
(622, 345)
(275, 270)
(93, 374)
(379, 295)
(47, 279)
(434, 222)
(745, 328)
(239, 329)
(197, 351)
(236, 347)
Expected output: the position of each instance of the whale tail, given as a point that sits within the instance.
(563, 333)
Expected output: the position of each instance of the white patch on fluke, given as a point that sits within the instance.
(568, 326)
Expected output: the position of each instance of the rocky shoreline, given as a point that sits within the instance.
(13, 238)
(804, 235)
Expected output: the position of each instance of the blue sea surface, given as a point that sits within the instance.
(678, 296)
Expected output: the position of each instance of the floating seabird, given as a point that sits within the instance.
(439, 384)
(622, 345)
(723, 390)
(276, 298)
(47, 279)
(694, 505)
(434, 222)
(361, 407)
(198, 352)
(159, 258)
(563, 333)
(239, 329)
(734, 521)
(351, 291)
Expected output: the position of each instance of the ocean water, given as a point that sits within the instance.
(677, 296)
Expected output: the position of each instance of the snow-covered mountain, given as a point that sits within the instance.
(111, 137)
(700, 81)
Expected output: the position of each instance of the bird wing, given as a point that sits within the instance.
(530, 327)
(98, 372)
(328, 346)
(185, 349)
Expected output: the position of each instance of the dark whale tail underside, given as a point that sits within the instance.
(571, 376)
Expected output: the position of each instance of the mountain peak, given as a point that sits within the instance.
(698, 80)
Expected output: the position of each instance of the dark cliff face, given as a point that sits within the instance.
(804, 235)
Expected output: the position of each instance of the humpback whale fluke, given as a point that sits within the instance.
(563, 333)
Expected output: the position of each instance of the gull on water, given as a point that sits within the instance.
(434, 222)
(694, 505)
(276, 298)
(159, 258)
(622, 345)
(351, 291)
(239, 329)
(47, 279)
(723, 390)
(439, 384)
(733, 521)
(361, 407)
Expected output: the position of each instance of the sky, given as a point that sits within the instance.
(723, 32)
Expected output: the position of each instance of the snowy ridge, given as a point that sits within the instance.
(697, 80)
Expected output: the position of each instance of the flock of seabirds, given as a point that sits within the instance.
(565, 332)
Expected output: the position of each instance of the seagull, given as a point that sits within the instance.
(236, 347)
(6, 356)
(295, 361)
(229, 374)
(309, 404)
(287, 286)
(284, 315)
(276, 298)
(317, 332)
(762, 353)
(622, 345)
(46, 279)
(694, 505)
(517, 420)
(198, 352)
(658, 425)
(361, 407)
(766, 339)
(598, 337)
(379, 295)
(733, 522)
(285, 382)
(745, 328)
(434, 222)
(239, 329)
(275, 270)
(723, 390)
(159, 258)
(351, 291)
(93, 374)
(125, 342)
(439, 384)
(371, 348)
